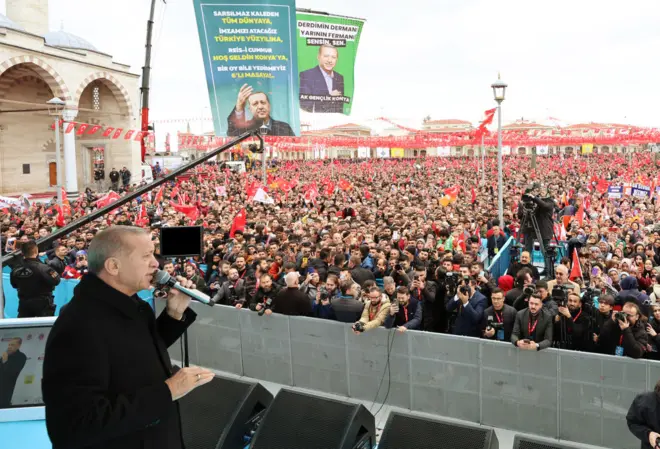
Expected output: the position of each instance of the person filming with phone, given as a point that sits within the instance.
(108, 381)
(405, 312)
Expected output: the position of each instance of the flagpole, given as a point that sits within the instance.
(483, 162)
(2, 296)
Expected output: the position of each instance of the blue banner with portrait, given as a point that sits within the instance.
(250, 59)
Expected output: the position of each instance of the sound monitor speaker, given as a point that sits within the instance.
(408, 431)
(222, 414)
(525, 442)
(303, 421)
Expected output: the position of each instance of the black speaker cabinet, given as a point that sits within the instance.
(222, 413)
(408, 431)
(304, 421)
(525, 442)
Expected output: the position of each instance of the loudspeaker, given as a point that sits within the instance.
(222, 414)
(403, 430)
(303, 421)
(525, 442)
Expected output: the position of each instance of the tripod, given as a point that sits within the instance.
(529, 216)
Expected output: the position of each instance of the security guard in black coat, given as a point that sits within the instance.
(643, 418)
(108, 381)
(35, 282)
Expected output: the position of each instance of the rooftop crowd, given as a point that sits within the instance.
(401, 243)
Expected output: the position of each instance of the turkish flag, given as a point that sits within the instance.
(576, 269)
(345, 185)
(107, 132)
(580, 214)
(239, 223)
(189, 211)
(82, 128)
(159, 195)
(59, 222)
(117, 133)
(70, 127)
(111, 197)
(367, 195)
(129, 134)
(94, 129)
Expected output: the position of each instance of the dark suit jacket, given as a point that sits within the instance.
(9, 372)
(104, 373)
(469, 316)
(236, 126)
(542, 333)
(508, 315)
(495, 243)
(312, 82)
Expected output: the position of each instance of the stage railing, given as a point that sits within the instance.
(62, 295)
(559, 394)
(501, 261)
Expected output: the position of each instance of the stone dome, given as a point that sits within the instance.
(67, 40)
(5, 22)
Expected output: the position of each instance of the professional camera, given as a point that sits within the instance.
(268, 303)
(621, 316)
(560, 294)
(465, 285)
(529, 290)
(493, 324)
(324, 294)
(233, 296)
(515, 251)
(358, 327)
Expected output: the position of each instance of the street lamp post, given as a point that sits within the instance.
(499, 90)
(55, 108)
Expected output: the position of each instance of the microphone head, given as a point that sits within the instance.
(161, 277)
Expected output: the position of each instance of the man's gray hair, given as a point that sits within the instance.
(110, 243)
(388, 280)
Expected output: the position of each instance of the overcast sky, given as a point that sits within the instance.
(579, 61)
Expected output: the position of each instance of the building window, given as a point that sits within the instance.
(96, 94)
(26, 169)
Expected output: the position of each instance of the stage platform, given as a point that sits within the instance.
(33, 435)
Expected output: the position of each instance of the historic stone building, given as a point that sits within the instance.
(36, 65)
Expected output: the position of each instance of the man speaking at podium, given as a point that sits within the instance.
(107, 377)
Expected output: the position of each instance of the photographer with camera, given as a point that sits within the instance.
(469, 304)
(532, 330)
(405, 312)
(605, 305)
(375, 312)
(263, 298)
(498, 319)
(541, 209)
(231, 292)
(624, 334)
(523, 281)
(572, 324)
(322, 307)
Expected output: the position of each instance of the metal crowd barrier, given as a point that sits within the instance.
(502, 260)
(554, 393)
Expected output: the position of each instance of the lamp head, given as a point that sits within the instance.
(55, 105)
(499, 89)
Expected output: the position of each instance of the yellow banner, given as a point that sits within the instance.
(587, 148)
(396, 152)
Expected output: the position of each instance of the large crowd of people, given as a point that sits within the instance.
(405, 244)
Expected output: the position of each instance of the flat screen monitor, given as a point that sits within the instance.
(181, 241)
(22, 349)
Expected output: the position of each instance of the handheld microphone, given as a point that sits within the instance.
(163, 278)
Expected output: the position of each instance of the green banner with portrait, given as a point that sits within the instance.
(249, 52)
(327, 46)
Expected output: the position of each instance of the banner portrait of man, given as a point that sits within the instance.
(323, 81)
